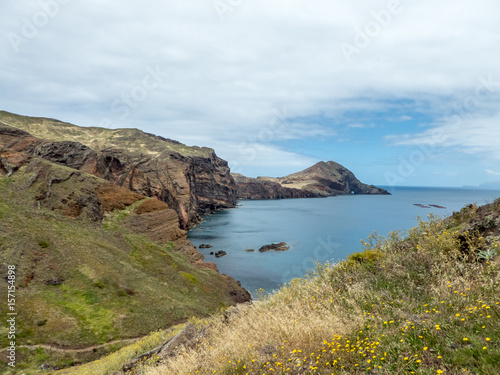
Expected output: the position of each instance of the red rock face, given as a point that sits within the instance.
(11, 160)
(17, 140)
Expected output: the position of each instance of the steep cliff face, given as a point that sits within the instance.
(190, 185)
(191, 180)
(323, 179)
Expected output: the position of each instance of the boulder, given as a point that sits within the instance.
(282, 246)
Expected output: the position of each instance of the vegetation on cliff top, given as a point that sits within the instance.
(424, 303)
(132, 140)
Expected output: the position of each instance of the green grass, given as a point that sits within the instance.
(192, 279)
(82, 283)
(115, 361)
(102, 361)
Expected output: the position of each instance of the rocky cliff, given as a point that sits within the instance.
(20, 149)
(323, 179)
(191, 180)
(95, 262)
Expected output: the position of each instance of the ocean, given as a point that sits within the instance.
(317, 229)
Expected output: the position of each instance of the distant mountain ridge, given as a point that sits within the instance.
(324, 179)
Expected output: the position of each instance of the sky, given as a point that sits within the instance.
(401, 92)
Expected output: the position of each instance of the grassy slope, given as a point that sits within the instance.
(114, 362)
(417, 304)
(133, 140)
(117, 284)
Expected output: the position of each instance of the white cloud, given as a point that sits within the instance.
(224, 79)
(253, 158)
(479, 135)
(494, 173)
(360, 126)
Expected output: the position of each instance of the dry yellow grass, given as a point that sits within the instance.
(294, 317)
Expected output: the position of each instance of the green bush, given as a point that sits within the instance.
(43, 244)
(367, 257)
(190, 277)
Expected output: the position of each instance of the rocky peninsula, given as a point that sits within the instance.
(324, 179)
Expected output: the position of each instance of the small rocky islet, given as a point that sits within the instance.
(281, 246)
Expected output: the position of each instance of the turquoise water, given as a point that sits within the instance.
(320, 229)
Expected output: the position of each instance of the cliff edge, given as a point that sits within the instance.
(192, 180)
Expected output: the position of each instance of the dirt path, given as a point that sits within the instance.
(63, 350)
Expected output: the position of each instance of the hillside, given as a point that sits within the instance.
(191, 180)
(95, 263)
(323, 179)
(426, 302)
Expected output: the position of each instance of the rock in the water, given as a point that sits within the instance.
(220, 253)
(250, 250)
(204, 246)
(282, 246)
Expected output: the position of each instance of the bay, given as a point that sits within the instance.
(318, 230)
